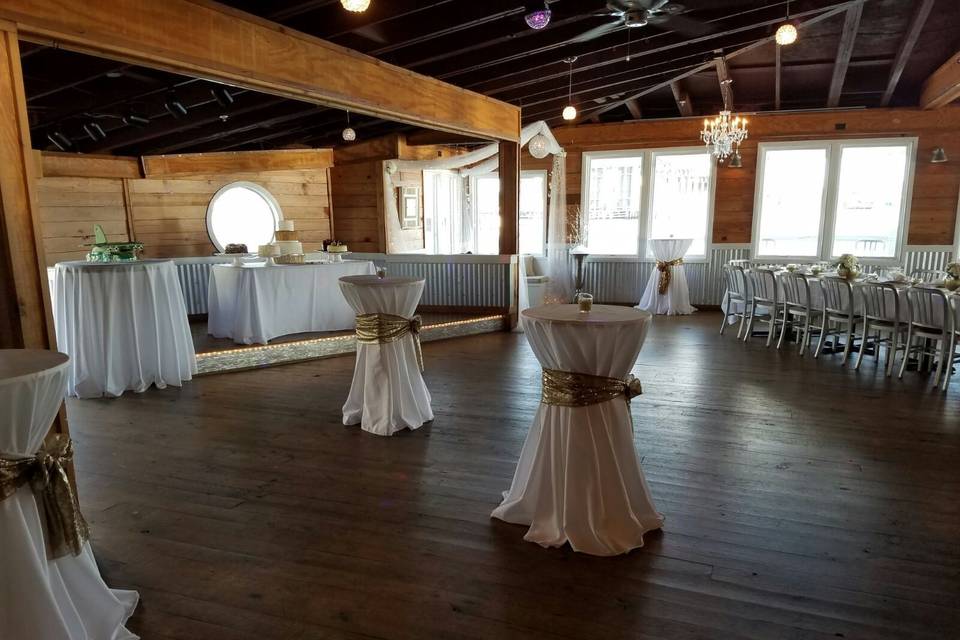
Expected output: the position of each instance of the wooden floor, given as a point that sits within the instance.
(802, 500)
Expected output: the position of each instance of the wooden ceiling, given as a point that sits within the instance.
(850, 54)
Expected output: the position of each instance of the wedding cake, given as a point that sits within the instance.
(287, 241)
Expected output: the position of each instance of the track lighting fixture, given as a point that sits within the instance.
(223, 97)
(174, 107)
(135, 120)
(94, 131)
(60, 141)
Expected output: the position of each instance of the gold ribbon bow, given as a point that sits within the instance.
(380, 328)
(666, 274)
(570, 389)
(65, 529)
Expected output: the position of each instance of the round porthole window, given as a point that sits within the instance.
(242, 213)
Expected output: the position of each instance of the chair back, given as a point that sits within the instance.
(880, 301)
(929, 275)
(837, 295)
(929, 308)
(764, 285)
(796, 289)
(739, 263)
(736, 282)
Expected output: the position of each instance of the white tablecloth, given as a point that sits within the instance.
(124, 326)
(676, 301)
(255, 303)
(41, 599)
(388, 393)
(579, 478)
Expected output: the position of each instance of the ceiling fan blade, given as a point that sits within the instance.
(683, 25)
(371, 32)
(597, 32)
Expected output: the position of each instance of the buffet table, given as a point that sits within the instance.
(256, 303)
(124, 326)
(49, 593)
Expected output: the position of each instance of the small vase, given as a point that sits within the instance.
(847, 274)
(951, 284)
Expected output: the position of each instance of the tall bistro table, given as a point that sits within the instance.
(54, 599)
(667, 292)
(124, 326)
(256, 303)
(388, 393)
(579, 478)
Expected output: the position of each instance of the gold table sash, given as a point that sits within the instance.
(380, 328)
(665, 274)
(570, 389)
(65, 530)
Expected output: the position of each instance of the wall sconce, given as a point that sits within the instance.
(939, 155)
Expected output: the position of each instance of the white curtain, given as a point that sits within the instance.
(559, 263)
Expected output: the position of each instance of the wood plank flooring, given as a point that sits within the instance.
(802, 500)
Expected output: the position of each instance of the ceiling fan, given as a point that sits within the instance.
(640, 13)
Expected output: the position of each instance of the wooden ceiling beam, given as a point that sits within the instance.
(848, 37)
(682, 97)
(226, 45)
(161, 166)
(909, 41)
(633, 106)
(943, 86)
(726, 82)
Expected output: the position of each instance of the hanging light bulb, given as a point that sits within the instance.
(570, 111)
(357, 6)
(349, 135)
(787, 32)
(538, 146)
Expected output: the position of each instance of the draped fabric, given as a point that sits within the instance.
(675, 297)
(388, 393)
(578, 479)
(44, 599)
(124, 326)
(256, 304)
(559, 262)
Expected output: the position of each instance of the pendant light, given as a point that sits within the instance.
(356, 6)
(939, 155)
(570, 111)
(349, 135)
(787, 32)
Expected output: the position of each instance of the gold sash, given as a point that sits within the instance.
(665, 274)
(65, 529)
(380, 328)
(569, 389)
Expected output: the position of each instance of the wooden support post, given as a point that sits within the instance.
(509, 198)
(25, 317)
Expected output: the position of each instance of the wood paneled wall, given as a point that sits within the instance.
(935, 190)
(167, 214)
(357, 192)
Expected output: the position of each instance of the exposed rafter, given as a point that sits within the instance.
(726, 82)
(777, 78)
(943, 87)
(909, 41)
(848, 37)
(634, 108)
(682, 98)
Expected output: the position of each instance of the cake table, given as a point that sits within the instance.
(579, 478)
(388, 393)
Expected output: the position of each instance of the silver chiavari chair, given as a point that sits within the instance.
(881, 313)
(797, 308)
(764, 302)
(929, 319)
(738, 297)
(839, 309)
(930, 276)
(952, 357)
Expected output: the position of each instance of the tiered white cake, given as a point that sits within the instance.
(288, 243)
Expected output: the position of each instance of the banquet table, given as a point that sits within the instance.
(579, 479)
(49, 599)
(388, 393)
(124, 326)
(675, 300)
(257, 303)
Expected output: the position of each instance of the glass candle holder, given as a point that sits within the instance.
(381, 273)
(585, 302)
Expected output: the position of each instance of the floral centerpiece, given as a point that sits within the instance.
(953, 276)
(848, 266)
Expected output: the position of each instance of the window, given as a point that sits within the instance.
(818, 200)
(486, 205)
(242, 213)
(533, 207)
(633, 196)
(444, 226)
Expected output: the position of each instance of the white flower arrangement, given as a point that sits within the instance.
(848, 266)
(953, 270)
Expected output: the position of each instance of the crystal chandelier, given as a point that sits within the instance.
(723, 134)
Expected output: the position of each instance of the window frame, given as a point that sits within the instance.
(830, 198)
(260, 190)
(647, 167)
(542, 173)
